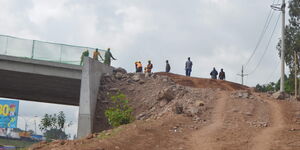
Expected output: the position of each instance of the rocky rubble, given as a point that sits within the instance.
(153, 96)
(244, 94)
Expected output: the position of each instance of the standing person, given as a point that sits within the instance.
(107, 57)
(188, 67)
(214, 73)
(168, 67)
(96, 54)
(84, 54)
(149, 67)
(138, 66)
(136, 63)
(222, 75)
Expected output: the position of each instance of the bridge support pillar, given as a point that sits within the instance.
(92, 72)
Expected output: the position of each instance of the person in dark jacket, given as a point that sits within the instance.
(168, 67)
(214, 73)
(222, 75)
(188, 67)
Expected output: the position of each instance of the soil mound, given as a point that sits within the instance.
(175, 112)
(204, 83)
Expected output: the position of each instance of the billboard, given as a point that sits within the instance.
(9, 113)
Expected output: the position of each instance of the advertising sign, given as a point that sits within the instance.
(9, 113)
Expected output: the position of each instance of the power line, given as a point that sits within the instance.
(267, 23)
(267, 47)
(272, 73)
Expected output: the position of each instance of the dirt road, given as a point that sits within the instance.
(264, 139)
(202, 137)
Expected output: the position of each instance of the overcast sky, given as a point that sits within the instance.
(214, 33)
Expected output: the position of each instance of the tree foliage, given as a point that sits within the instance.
(289, 85)
(55, 134)
(292, 32)
(121, 112)
(53, 126)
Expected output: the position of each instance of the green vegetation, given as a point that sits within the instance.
(292, 31)
(107, 134)
(53, 126)
(17, 143)
(120, 113)
(289, 85)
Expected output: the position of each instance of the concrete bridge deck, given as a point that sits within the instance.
(50, 82)
(41, 81)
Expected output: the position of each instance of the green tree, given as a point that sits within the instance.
(53, 126)
(288, 85)
(292, 32)
(120, 113)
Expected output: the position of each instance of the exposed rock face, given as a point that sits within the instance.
(154, 95)
(245, 94)
(280, 95)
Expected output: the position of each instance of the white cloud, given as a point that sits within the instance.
(220, 33)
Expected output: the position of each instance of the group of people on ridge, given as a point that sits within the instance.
(148, 69)
(214, 73)
(188, 69)
(96, 54)
(139, 67)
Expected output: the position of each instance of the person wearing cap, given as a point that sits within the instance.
(107, 57)
(96, 54)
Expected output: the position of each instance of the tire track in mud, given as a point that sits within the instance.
(202, 139)
(264, 139)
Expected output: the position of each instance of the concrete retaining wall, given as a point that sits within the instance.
(91, 74)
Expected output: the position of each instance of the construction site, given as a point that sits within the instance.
(174, 112)
(112, 105)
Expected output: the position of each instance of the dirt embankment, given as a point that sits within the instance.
(181, 113)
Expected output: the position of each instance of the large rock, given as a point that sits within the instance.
(167, 94)
(120, 70)
(192, 110)
(136, 77)
(199, 103)
(280, 95)
(241, 94)
(119, 75)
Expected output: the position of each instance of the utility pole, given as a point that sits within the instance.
(283, 46)
(296, 73)
(242, 75)
(282, 9)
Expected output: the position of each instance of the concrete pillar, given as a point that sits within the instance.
(92, 72)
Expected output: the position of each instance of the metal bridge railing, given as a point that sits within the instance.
(40, 50)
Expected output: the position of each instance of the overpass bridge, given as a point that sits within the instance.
(52, 82)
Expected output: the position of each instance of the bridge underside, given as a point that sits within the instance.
(34, 87)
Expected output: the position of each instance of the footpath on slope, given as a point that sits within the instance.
(203, 137)
(264, 139)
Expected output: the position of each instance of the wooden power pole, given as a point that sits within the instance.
(242, 75)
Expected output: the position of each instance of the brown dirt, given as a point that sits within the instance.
(204, 83)
(227, 121)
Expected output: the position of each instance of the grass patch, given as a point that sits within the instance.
(16, 143)
(109, 133)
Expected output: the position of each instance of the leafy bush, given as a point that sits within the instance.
(120, 113)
